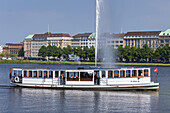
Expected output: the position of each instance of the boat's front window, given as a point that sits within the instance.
(85, 76)
(146, 72)
(110, 74)
(30, 73)
(35, 73)
(72, 76)
(15, 73)
(122, 73)
(128, 72)
(20, 73)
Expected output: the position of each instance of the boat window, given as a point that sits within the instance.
(116, 73)
(85, 76)
(140, 73)
(45, 74)
(103, 74)
(30, 73)
(25, 73)
(35, 73)
(134, 73)
(72, 76)
(122, 73)
(56, 74)
(128, 72)
(50, 74)
(20, 73)
(110, 74)
(15, 73)
(40, 74)
(146, 72)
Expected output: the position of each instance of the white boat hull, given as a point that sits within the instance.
(151, 86)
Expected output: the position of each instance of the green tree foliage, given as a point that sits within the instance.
(128, 54)
(42, 51)
(120, 53)
(166, 53)
(86, 53)
(21, 52)
(91, 53)
(136, 54)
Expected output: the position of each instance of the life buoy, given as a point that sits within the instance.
(16, 79)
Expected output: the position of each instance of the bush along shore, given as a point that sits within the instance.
(80, 63)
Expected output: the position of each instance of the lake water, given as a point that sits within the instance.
(31, 100)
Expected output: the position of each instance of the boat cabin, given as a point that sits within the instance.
(81, 76)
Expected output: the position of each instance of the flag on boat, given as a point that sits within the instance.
(155, 70)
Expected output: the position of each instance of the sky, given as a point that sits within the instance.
(20, 18)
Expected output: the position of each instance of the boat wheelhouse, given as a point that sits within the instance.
(96, 79)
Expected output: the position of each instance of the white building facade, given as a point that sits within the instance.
(36, 41)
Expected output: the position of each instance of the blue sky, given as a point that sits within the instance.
(19, 18)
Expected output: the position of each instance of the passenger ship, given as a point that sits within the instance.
(85, 79)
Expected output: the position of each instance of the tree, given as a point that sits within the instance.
(80, 51)
(138, 54)
(49, 51)
(75, 51)
(21, 52)
(127, 53)
(158, 53)
(91, 53)
(85, 52)
(166, 53)
(147, 53)
(42, 51)
(60, 52)
(54, 51)
(120, 53)
(133, 53)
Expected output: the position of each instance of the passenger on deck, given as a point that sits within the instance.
(76, 76)
(71, 76)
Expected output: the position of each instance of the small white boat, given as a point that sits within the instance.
(85, 79)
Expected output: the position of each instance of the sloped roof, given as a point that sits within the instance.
(142, 33)
(165, 33)
(29, 37)
(82, 35)
(51, 35)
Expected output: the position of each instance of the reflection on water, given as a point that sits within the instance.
(45, 100)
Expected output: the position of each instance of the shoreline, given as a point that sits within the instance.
(82, 63)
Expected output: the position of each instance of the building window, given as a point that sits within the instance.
(117, 41)
(162, 41)
(121, 41)
(112, 41)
